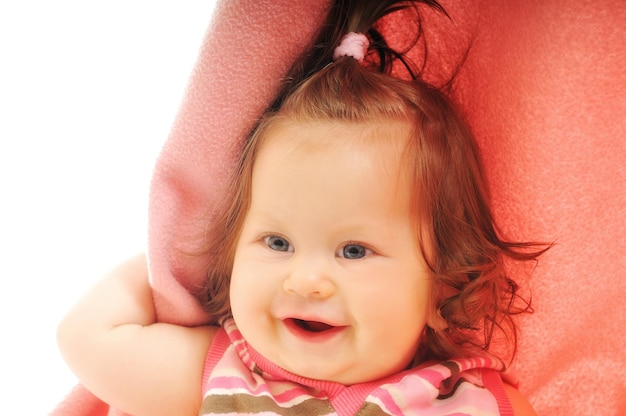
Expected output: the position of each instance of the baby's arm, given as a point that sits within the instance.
(112, 343)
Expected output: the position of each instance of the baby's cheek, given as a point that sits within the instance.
(238, 294)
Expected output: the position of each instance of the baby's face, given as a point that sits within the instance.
(328, 281)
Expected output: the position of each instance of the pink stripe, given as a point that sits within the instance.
(433, 376)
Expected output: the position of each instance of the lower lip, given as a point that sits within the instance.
(311, 336)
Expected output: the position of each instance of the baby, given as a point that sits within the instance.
(356, 267)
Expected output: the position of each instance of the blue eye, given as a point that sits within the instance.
(354, 251)
(277, 243)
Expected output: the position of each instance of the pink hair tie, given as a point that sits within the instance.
(354, 45)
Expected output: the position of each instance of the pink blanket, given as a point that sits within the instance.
(542, 86)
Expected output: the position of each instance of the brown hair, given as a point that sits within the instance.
(474, 295)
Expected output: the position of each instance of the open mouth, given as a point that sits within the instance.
(312, 326)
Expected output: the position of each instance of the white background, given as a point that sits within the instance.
(88, 91)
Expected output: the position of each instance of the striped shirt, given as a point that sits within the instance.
(237, 380)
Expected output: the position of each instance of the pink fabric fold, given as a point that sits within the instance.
(541, 86)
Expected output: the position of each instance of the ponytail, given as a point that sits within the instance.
(358, 16)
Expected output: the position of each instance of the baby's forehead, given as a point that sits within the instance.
(339, 135)
(343, 147)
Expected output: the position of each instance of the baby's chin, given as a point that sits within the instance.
(330, 370)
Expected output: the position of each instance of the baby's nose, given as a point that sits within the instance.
(310, 279)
